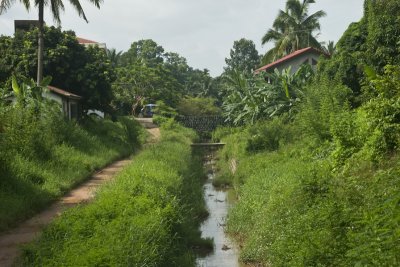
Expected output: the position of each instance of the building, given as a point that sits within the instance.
(70, 103)
(294, 60)
(25, 25)
(88, 43)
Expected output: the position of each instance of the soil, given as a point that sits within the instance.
(151, 128)
(12, 240)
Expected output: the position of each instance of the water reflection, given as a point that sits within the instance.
(225, 252)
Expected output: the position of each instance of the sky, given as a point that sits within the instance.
(202, 31)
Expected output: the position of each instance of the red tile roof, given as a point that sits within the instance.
(288, 57)
(63, 92)
(85, 41)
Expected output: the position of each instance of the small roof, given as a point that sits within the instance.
(288, 57)
(85, 41)
(63, 92)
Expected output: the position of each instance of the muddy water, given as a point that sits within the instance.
(225, 252)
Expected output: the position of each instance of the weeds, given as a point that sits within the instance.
(43, 156)
(148, 216)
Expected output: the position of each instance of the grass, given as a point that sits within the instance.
(296, 208)
(149, 215)
(42, 159)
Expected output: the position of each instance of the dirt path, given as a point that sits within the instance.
(151, 128)
(12, 240)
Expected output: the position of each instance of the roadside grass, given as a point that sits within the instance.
(41, 159)
(149, 215)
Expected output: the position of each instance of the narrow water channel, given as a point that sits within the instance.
(225, 252)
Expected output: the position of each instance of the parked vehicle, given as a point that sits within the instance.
(148, 110)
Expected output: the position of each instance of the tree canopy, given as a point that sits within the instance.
(293, 29)
(243, 57)
(83, 71)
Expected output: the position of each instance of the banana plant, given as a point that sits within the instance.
(28, 92)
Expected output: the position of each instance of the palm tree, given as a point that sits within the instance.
(114, 56)
(293, 29)
(56, 7)
(329, 48)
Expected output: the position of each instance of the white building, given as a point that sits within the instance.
(69, 102)
(294, 60)
(88, 43)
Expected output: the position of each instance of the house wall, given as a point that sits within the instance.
(69, 107)
(298, 61)
(52, 96)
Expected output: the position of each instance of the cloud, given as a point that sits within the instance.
(202, 31)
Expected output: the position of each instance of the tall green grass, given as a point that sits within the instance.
(322, 189)
(43, 156)
(147, 216)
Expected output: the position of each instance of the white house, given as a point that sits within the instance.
(294, 60)
(69, 102)
(88, 43)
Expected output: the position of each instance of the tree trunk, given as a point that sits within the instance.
(40, 44)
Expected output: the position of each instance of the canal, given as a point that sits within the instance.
(225, 252)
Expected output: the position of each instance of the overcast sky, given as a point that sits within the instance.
(203, 31)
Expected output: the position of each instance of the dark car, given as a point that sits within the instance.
(148, 110)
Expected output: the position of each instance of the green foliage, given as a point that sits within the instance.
(372, 41)
(85, 72)
(146, 71)
(268, 136)
(43, 155)
(320, 189)
(198, 106)
(163, 113)
(250, 99)
(148, 216)
(244, 57)
(293, 29)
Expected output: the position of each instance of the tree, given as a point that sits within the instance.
(145, 51)
(85, 72)
(56, 7)
(198, 106)
(114, 56)
(293, 29)
(244, 57)
(329, 48)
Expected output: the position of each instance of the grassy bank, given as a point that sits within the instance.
(43, 156)
(320, 189)
(147, 216)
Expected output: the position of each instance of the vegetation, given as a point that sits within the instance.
(243, 57)
(198, 106)
(247, 100)
(148, 216)
(43, 155)
(56, 6)
(148, 73)
(293, 29)
(83, 71)
(319, 185)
